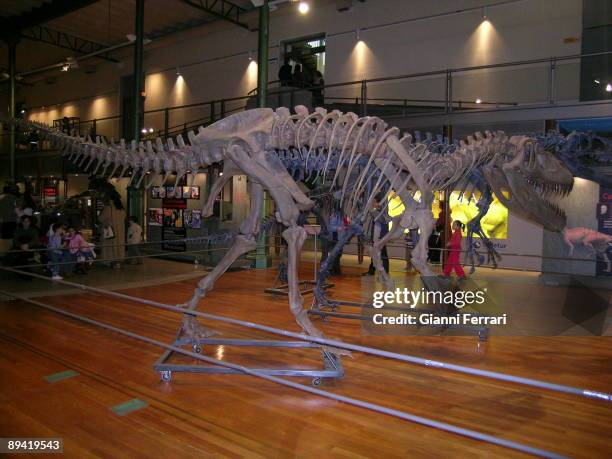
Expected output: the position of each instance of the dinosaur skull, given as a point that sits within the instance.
(529, 181)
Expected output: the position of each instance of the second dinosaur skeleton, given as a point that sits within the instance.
(353, 160)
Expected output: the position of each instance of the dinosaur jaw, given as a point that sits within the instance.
(537, 197)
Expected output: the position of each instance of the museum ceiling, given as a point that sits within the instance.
(108, 22)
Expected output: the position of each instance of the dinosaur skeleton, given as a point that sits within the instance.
(352, 160)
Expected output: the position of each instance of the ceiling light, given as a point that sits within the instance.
(151, 130)
(609, 87)
(484, 14)
(597, 81)
(65, 67)
(220, 174)
(178, 72)
(478, 101)
(303, 7)
(144, 130)
(357, 35)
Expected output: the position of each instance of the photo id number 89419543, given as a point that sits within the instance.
(31, 445)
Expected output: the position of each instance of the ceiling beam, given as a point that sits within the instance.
(46, 12)
(221, 9)
(63, 40)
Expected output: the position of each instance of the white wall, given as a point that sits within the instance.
(213, 60)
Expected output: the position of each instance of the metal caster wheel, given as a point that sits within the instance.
(166, 376)
(316, 382)
(197, 348)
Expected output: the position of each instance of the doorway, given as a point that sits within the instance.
(308, 52)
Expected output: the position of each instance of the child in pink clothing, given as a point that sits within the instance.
(80, 249)
(454, 254)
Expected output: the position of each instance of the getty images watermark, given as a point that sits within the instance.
(406, 298)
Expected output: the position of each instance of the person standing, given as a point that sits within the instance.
(284, 74)
(380, 228)
(318, 86)
(453, 263)
(134, 239)
(112, 220)
(8, 218)
(298, 76)
(57, 254)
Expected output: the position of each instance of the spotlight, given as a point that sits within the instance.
(65, 67)
(250, 56)
(144, 130)
(220, 174)
(178, 72)
(597, 81)
(23, 111)
(358, 35)
(484, 14)
(478, 101)
(303, 7)
(150, 130)
(609, 87)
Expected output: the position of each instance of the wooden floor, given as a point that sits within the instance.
(242, 416)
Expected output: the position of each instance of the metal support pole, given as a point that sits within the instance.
(12, 55)
(449, 91)
(138, 76)
(166, 122)
(263, 259)
(551, 82)
(364, 98)
(136, 195)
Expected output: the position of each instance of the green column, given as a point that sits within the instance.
(138, 77)
(12, 56)
(262, 55)
(135, 204)
(263, 259)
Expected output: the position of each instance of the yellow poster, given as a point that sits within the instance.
(494, 223)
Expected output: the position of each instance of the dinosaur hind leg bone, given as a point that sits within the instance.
(243, 243)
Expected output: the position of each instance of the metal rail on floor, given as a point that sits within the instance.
(235, 368)
(342, 345)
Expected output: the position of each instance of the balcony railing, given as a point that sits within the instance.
(539, 82)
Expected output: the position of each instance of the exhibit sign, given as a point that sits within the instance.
(604, 226)
(174, 239)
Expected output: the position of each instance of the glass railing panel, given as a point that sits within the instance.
(501, 87)
(346, 98)
(567, 81)
(407, 96)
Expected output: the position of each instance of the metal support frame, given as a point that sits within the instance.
(306, 286)
(138, 76)
(64, 40)
(263, 259)
(332, 366)
(221, 9)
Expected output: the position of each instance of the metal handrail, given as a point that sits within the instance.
(362, 99)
